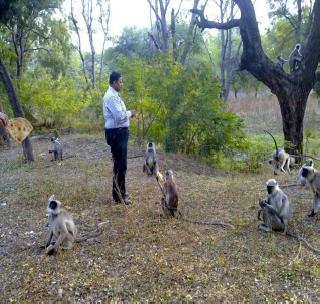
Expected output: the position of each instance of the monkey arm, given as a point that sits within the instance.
(49, 239)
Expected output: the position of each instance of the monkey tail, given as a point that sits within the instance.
(304, 241)
(93, 234)
(225, 225)
(275, 142)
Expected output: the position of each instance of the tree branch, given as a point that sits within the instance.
(204, 23)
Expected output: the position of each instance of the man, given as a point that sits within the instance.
(3, 118)
(117, 120)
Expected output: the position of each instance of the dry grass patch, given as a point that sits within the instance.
(141, 257)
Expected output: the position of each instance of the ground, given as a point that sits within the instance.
(141, 257)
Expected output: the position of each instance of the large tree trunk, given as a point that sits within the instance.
(293, 105)
(16, 108)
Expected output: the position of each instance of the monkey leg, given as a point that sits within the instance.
(287, 165)
(165, 210)
(315, 206)
(282, 167)
(53, 248)
(264, 228)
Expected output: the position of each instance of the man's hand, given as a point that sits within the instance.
(4, 118)
(134, 113)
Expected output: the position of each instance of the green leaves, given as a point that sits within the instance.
(179, 107)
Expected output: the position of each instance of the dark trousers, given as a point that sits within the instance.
(117, 139)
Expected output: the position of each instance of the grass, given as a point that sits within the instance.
(141, 257)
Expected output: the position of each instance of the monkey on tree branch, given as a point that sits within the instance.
(292, 90)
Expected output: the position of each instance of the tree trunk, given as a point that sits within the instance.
(292, 89)
(293, 105)
(189, 40)
(4, 136)
(16, 108)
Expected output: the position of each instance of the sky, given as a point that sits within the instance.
(127, 13)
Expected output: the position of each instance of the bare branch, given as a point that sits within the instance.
(175, 16)
(154, 10)
(154, 41)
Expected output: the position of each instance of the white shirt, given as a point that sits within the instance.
(114, 110)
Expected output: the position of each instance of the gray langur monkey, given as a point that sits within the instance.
(275, 209)
(281, 61)
(281, 160)
(151, 164)
(62, 229)
(302, 180)
(57, 149)
(295, 58)
(169, 201)
(312, 177)
(275, 213)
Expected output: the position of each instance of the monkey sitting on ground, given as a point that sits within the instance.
(275, 213)
(275, 209)
(302, 180)
(57, 149)
(312, 177)
(295, 59)
(63, 229)
(151, 164)
(169, 201)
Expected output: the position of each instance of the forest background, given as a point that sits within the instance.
(185, 82)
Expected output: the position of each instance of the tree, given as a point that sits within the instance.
(28, 28)
(16, 108)
(292, 90)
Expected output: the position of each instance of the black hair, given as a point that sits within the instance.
(114, 76)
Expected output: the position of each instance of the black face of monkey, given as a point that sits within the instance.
(53, 205)
(304, 172)
(270, 189)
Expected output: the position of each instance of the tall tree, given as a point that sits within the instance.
(16, 108)
(292, 90)
(78, 45)
(104, 17)
(28, 28)
(87, 14)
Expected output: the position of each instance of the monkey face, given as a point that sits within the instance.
(306, 171)
(271, 185)
(53, 205)
(270, 189)
(150, 144)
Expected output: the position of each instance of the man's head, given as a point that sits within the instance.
(115, 81)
